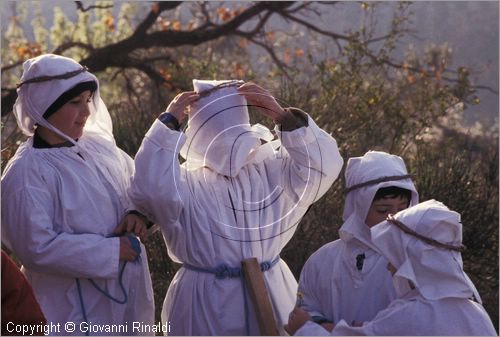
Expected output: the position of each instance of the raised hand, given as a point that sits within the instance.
(263, 101)
(180, 104)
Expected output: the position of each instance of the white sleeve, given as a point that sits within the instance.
(157, 188)
(127, 164)
(311, 329)
(308, 288)
(313, 162)
(341, 329)
(403, 319)
(344, 329)
(28, 230)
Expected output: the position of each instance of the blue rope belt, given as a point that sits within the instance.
(223, 271)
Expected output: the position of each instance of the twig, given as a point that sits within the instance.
(13, 65)
(282, 66)
(80, 7)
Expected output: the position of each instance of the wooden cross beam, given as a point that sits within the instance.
(254, 281)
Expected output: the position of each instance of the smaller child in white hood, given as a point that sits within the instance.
(347, 279)
(435, 296)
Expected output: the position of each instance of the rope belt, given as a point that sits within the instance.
(223, 271)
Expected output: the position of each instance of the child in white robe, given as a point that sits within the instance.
(347, 279)
(65, 205)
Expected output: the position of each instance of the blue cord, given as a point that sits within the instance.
(223, 271)
(108, 295)
(105, 293)
(137, 247)
(82, 306)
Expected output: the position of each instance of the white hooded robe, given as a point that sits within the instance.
(333, 283)
(241, 206)
(60, 206)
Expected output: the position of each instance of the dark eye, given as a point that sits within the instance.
(382, 211)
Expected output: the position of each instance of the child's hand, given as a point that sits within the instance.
(133, 223)
(297, 318)
(127, 253)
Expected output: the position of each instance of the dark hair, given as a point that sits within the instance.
(392, 192)
(69, 95)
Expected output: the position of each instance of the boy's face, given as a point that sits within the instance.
(380, 208)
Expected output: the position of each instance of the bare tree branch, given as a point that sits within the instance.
(150, 72)
(118, 72)
(80, 7)
(153, 14)
(393, 64)
(282, 66)
(68, 45)
(115, 54)
(204, 11)
(131, 91)
(167, 58)
(312, 27)
(475, 87)
(300, 7)
(316, 29)
(11, 66)
(9, 96)
(260, 25)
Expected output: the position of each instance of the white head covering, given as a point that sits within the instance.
(219, 134)
(373, 165)
(435, 272)
(97, 139)
(34, 98)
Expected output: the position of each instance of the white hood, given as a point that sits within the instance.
(373, 165)
(436, 272)
(34, 98)
(219, 134)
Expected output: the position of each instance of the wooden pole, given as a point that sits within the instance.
(254, 280)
